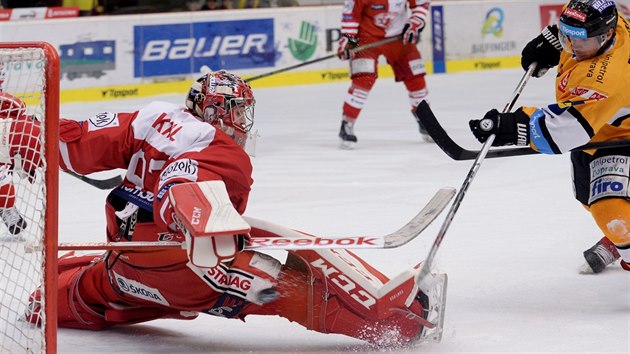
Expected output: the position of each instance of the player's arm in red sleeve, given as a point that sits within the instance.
(100, 143)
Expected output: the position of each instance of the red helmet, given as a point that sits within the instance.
(11, 106)
(224, 100)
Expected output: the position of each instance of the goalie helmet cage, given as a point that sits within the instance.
(28, 261)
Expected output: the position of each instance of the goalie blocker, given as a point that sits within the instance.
(329, 291)
(213, 229)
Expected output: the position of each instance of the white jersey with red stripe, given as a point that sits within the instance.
(380, 18)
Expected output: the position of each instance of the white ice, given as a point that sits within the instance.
(512, 253)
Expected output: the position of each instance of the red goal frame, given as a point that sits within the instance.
(51, 175)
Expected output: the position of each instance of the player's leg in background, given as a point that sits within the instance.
(363, 72)
(408, 67)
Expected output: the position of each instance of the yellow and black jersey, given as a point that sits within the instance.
(592, 100)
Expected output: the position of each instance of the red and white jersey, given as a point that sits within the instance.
(380, 18)
(159, 145)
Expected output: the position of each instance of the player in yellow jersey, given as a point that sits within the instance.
(591, 47)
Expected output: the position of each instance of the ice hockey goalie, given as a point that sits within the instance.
(188, 179)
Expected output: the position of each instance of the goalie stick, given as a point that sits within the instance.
(424, 113)
(295, 240)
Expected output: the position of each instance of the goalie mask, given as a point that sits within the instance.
(224, 100)
(11, 106)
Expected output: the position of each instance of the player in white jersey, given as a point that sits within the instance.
(368, 21)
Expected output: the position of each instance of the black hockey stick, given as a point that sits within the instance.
(456, 152)
(355, 50)
(424, 278)
(104, 184)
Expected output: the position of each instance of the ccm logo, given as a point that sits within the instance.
(313, 241)
(196, 216)
(345, 283)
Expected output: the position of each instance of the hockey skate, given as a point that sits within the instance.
(13, 220)
(346, 134)
(598, 257)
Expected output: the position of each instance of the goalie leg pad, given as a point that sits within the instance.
(72, 312)
(86, 300)
(320, 297)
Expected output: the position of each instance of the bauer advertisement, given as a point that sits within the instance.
(109, 57)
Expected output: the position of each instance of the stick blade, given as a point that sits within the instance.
(424, 113)
(103, 184)
(422, 220)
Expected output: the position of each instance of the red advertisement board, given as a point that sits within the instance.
(38, 13)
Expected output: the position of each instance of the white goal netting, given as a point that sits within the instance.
(25, 185)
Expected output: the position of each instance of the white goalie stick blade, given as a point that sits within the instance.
(292, 240)
(288, 239)
(421, 221)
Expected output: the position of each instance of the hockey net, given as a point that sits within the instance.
(28, 229)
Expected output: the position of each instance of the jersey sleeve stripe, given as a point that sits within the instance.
(539, 135)
(583, 121)
(617, 121)
(349, 25)
(65, 157)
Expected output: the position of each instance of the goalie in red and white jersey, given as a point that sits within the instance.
(368, 21)
(188, 179)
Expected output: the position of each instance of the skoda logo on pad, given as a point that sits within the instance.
(122, 284)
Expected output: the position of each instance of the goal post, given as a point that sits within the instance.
(29, 185)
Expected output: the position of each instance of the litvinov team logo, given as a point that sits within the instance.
(304, 47)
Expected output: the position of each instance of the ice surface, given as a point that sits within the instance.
(512, 253)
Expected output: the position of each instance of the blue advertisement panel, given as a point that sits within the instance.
(437, 22)
(175, 49)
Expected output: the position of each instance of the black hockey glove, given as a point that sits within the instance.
(509, 128)
(544, 50)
